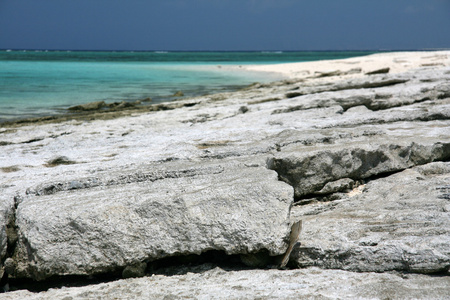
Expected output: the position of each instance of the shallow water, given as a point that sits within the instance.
(34, 83)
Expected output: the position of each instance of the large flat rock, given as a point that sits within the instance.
(309, 170)
(399, 222)
(88, 230)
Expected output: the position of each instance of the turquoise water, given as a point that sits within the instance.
(36, 83)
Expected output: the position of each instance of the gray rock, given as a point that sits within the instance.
(340, 185)
(91, 106)
(6, 222)
(310, 171)
(353, 71)
(124, 104)
(376, 95)
(3, 236)
(360, 83)
(216, 283)
(60, 160)
(328, 73)
(104, 228)
(379, 71)
(243, 109)
(400, 222)
(10, 265)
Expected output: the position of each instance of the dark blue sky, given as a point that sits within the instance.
(224, 24)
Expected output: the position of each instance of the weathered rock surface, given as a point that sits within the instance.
(379, 71)
(83, 231)
(365, 159)
(400, 222)
(6, 222)
(310, 171)
(208, 283)
(88, 106)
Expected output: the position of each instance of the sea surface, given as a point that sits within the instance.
(36, 83)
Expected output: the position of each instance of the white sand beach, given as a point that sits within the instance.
(397, 62)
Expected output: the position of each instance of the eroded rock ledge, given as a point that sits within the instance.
(102, 229)
(363, 162)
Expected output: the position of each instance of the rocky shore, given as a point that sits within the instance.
(197, 197)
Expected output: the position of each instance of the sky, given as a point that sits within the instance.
(231, 25)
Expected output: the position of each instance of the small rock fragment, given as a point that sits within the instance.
(60, 160)
(243, 109)
(88, 106)
(379, 71)
(10, 266)
(352, 71)
(341, 185)
(328, 73)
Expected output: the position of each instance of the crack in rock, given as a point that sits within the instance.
(351, 85)
(239, 210)
(396, 224)
(87, 183)
(310, 172)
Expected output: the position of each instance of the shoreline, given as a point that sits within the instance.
(397, 62)
(314, 71)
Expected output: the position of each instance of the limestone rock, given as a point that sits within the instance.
(60, 160)
(308, 172)
(379, 71)
(353, 71)
(124, 105)
(360, 83)
(340, 185)
(215, 283)
(101, 229)
(6, 232)
(88, 106)
(400, 222)
(328, 73)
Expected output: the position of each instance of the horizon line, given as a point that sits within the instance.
(261, 51)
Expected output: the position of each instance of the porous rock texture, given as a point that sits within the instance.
(362, 160)
(216, 283)
(310, 171)
(97, 230)
(6, 230)
(399, 222)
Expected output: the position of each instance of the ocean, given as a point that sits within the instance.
(39, 83)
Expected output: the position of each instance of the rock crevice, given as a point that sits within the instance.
(309, 173)
(150, 220)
